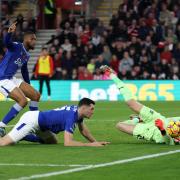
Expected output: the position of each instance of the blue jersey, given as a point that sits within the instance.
(16, 57)
(61, 119)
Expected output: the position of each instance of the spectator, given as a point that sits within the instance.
(154, 56)
(74, 74)
(165, 15)
(44, 71)
(67, 63)
(147, 30)
(126, 63)
(49, 14)
(174, 69)
(95, 39)
(57, 64)
(91, 66)
(97, 75)
(67, 46)
(31, 22)
(166, 55)
(100, 61)
(86, 35)
(20, 21)
(165, 71)
(114, 63)
(176, 53)
(106, 53)
(85, 75)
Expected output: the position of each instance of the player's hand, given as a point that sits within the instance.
(99, 144)
(104, 142)
(50, 76)
(159, 124)
(12, 28)
(96, 144)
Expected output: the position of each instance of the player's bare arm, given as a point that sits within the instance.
(12, 28)
(68, 141)
(83, 129)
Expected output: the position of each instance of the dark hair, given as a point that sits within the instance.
(85, 101)
(27, 33)
(44, 48)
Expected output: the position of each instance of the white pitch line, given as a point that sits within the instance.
(43, 165)
(35, 176)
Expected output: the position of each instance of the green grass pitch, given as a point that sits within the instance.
(28, 159)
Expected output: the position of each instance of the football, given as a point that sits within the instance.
(173, 129)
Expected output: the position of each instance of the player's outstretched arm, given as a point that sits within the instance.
(124, 90)
(12, 27)
(68, 141)
(7, 39)
(85, 132)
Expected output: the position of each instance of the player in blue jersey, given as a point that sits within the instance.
(42, 126)
(16, 57)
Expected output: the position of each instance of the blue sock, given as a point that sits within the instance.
(32, 138)
(11, 114)
(33, 106)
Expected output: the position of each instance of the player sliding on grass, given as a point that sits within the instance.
(17, 57)
(148, 124)
(42, 126)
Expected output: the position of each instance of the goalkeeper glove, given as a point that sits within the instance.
(159, 125)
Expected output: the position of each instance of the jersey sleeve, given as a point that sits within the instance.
(25, 73)
(70, 124)
(9, 43)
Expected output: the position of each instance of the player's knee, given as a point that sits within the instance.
(51, 141)
(23, 102)
(37, 96)
(3, 143)
(119, 126)
(130, 105)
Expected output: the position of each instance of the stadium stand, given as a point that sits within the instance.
(141, 41)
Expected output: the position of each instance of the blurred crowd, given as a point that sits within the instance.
(27, 23)
(140, 42)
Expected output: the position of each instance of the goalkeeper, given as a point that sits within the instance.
(148, 124)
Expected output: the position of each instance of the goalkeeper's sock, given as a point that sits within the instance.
(124, 90)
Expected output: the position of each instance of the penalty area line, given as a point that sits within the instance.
(139, 158)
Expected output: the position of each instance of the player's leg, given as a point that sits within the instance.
(48, 87)
(6, 140)
(125, 127)
(9, 89)
(32, 94)
(27, 124)
(124, 90)
(146, 114)
(48, 137)
(41, 82)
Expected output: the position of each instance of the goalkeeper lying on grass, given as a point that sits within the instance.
(148, 124)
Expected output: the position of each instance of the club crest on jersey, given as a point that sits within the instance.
(18, 62)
